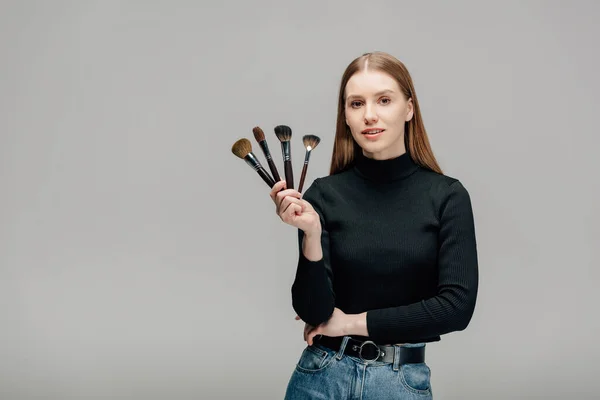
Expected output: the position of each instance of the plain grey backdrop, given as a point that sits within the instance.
(140, 259)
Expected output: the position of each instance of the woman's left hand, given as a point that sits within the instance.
(336, 325)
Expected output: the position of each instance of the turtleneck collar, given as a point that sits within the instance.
(385, 170)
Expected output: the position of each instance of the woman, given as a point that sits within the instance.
(388, 258)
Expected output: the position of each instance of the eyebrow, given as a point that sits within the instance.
(376, 94)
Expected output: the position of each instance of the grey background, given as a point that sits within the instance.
(140, 259)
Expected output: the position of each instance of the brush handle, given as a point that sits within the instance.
(266, 177)
(273, 170)
(302, 178)
(287, 164)
(265, 148)
(289, 174)
(253, 162)
(304, 168)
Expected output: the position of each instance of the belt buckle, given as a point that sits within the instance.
(361, 347)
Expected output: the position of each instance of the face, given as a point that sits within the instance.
(374, 103)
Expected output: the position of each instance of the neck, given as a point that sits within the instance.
(393, 151)
(385, 170)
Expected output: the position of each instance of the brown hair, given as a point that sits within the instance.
(415, 136)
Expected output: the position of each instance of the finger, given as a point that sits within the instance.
(306, 204)
(307, 329)
(280, 197)
(291, 212)
(287, 192)
(289, 200)
(311, 336)
(276, 188)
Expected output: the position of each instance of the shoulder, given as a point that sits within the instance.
(441, 184)
(328, 191)
(444, 189)
(330, 183)
(435, 178)
(337, 179)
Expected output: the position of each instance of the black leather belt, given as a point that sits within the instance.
(369, 351)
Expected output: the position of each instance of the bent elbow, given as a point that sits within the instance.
(463, 317)
(313, 314)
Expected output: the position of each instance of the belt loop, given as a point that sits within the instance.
(397, 350)
(340, 352)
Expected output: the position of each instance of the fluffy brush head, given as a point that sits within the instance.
(241, 148)
(283, 132)
(259, 135)
(311, 141)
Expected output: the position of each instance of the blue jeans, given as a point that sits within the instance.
(324, 373)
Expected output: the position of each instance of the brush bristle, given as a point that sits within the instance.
(283, 132)
(241, 148)
(311, 141)
(259, 135)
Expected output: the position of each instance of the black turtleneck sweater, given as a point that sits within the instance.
(399, 243)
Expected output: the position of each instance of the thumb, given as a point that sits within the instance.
(306, 205)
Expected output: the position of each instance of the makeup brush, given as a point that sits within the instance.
(259, 135)
(310, 142)
(284, 134)
(243, 149)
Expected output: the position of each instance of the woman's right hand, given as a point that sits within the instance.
(294, 210)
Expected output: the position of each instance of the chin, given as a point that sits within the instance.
(372, 147)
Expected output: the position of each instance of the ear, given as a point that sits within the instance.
(410, 106)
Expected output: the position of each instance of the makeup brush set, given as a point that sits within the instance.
(243, 149)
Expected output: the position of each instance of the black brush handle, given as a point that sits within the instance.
(289, 175)
(265, 148)
(273, 170)
(304, 168)
(302, 178)
(287, 164)
(266, 177)
(252, 161)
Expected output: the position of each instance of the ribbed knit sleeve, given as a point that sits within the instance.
(453, 306)
(313, 298)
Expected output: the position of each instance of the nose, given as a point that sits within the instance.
(370, 114)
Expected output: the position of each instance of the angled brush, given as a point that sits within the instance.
(243, 149)
(310, 142)
(284, 134)
(259, 135)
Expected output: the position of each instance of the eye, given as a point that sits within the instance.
(385, 100)
(355, 104)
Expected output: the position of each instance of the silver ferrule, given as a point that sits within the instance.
(265, 148)
(286, 151)
(252, 161)
(307, 157)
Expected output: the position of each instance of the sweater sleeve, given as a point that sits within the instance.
(452, 307)
(313, 298)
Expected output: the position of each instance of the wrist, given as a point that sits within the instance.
(357, 324)
(313, 233)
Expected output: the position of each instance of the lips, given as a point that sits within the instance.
(373, 134)
(372, 131)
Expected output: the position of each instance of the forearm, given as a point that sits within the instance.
(444, 313)
(312, 292)
(313, 298)
(426, 327)
(311, 245)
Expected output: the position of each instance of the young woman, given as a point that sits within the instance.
(388, 258)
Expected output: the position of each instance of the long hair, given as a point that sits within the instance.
(416, 141)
